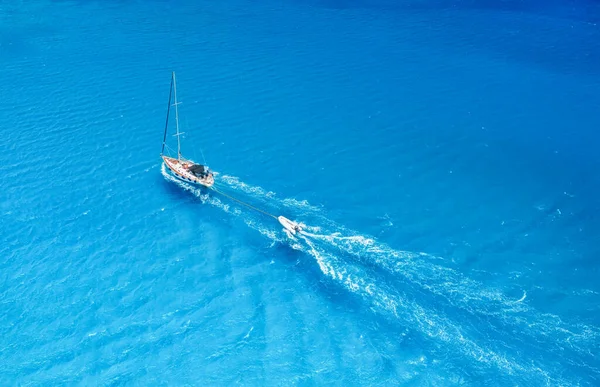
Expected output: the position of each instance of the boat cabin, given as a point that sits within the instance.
(197, 170)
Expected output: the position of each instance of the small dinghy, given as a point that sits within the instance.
(292, 227)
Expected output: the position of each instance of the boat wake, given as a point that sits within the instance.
(421, 292)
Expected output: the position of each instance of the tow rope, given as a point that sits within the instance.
(243, 203)
(289, 225)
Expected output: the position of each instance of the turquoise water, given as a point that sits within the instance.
(442, 155)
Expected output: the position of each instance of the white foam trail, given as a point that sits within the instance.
(270, 233)
(413, 315)
(422, 270)
(419, 269)
(258, 192)
(426, 272)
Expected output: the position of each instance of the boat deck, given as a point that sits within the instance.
(183, 170)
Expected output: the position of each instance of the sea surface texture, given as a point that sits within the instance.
(443, 156)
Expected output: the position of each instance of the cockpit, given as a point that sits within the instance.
(198, 170)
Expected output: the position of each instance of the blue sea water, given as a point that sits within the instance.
(443, 155)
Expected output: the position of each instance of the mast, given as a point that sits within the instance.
(167, 123)
(176, 117)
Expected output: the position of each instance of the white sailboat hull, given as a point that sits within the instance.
(180, 170)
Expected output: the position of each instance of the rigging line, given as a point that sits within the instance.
(167, 123)
(176, 117)
(243, 203)
(187, 125)
(202, 153)
(203, 158)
